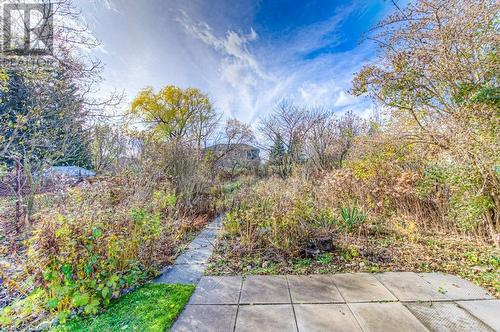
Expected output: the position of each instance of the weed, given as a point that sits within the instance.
(350, 253)
(352, 217)
(441, 290)
(325, 258)
(302, 263)
(430, 242)
(385, 242)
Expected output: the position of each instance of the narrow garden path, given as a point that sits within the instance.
(393, 301)
(191, 264)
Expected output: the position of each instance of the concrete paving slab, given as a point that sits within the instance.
(206, 238)
(264, 318)
(208, 233)
(454, 287)
(202, 242)
(446, 317)
(217, 223)
(361, 287)
(386, 317)
(182, 274)
(191, 264)
(325, 317)
(195, 256)
(408, 286)
(201, 246)
(265, 289)
(313, 289)
(206, 318)
(217, 290)
(486, 310)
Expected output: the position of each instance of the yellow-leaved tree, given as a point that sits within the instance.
(176, 114)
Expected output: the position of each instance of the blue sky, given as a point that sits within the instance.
(247, 55)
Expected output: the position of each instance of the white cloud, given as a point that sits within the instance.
(238, 67)
(233, 44)
(254, 91)
(314, 93)
(344, 99)
(242, 68)
(237, 74)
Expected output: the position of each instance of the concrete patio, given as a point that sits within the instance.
(394, 301)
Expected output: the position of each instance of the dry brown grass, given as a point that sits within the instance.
(300, 225)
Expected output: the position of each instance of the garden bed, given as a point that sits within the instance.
(84, 251)
(466, 257)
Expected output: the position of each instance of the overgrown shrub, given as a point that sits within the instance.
(283, 218)
(179, 164)
(466, 206)
(436, 106)
(396, 179)
(387, 187)
(97, 241)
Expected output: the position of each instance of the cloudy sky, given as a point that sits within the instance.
(247, 55)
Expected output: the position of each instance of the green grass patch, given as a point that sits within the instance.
(325, 258)
(153, 307)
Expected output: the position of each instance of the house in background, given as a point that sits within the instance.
(235, 155)
(69, 171)
(66, 175)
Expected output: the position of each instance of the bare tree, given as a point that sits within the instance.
(349, 127)
(108, 146)
(288, 124)
(321, 139)
(330, 138)
(234, 134)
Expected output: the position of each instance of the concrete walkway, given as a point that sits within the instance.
(191, 264)
(394, 301)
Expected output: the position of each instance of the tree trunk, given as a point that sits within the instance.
(19, 197)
